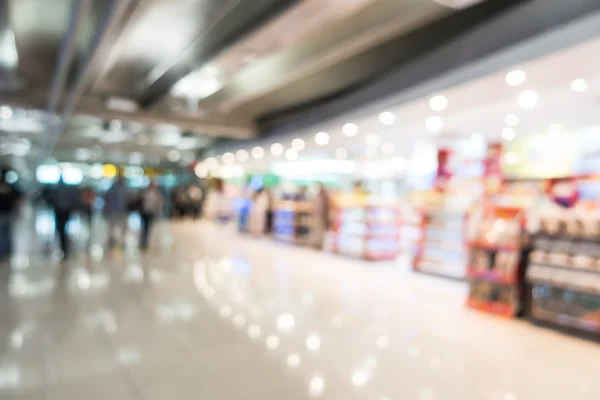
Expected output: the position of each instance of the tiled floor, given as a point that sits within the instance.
(219, 316)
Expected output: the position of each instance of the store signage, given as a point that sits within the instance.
(540, 157)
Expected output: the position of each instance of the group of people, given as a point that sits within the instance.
(65, 200)
(256, 214)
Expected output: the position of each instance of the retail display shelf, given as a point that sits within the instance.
(566, 320)
(491, 307)
(441, 250)
(495, 261)
(365, 230)
(564, 270)
(492, 276)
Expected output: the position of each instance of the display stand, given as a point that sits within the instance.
(411, 232)
(494, 269)
(564, 271)
(292, 222)
(369, 231)
(442, 250)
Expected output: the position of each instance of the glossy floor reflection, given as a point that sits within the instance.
(219, 316)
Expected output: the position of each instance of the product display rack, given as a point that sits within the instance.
(369, 231)
(495, 267)
(411, 232)
(292, 222)
(563, 271)
(442, 249)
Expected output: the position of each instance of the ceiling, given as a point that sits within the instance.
(566, 85)
(112, 76)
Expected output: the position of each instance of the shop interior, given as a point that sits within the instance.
(493, 183)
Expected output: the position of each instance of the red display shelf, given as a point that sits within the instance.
(491, 307)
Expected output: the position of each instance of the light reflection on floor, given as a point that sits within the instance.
(219, 316)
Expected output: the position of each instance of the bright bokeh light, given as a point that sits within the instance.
(298, 144)
(508, 134)
(276, 149)
(434, 124)
(579, 85)
(350, 129)
(322, 138)
(528, 99)
(258, 152)
(228, 158)
(242, 155)
(387, 118)
(438, 103)
(512, 120)
(516, 78)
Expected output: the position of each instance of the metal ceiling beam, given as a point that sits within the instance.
(195, 125)
(109, 22)
(132, 12)
(235, 23)
(483, 48)
(95, 106)
(79, 10)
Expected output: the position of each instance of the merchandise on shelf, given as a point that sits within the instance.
(411, 231)
(292, 222)
(494, 261)
(442, 249)
(365, 229)
(564, 270)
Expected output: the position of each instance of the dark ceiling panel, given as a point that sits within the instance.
(390, 17)
(244, 18)
(381, 62)
(158, 34)
(38, 35)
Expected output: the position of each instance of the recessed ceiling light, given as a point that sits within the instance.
(511, 157)
(201, 170)
(228, 158)
(579, 85)
(322, 138)
(438, 103)
(341, 154)
(298, 144)
(512, 120)
(554, 129)
(173, 155)
(350, 130)
(434, 124)
(528, 99)
(387, 118)
(388, 148)
(211, 163)
(276, 149)
(508, 134)
(291, 154)
(5, 112)
(242, 155)
(258, 152)
(516, 77)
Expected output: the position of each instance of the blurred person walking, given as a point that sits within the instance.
(151, 207)
(10, 198)
(115, 211)
(321, 207)
(64, 200)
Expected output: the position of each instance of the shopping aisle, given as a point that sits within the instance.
(219, 316)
